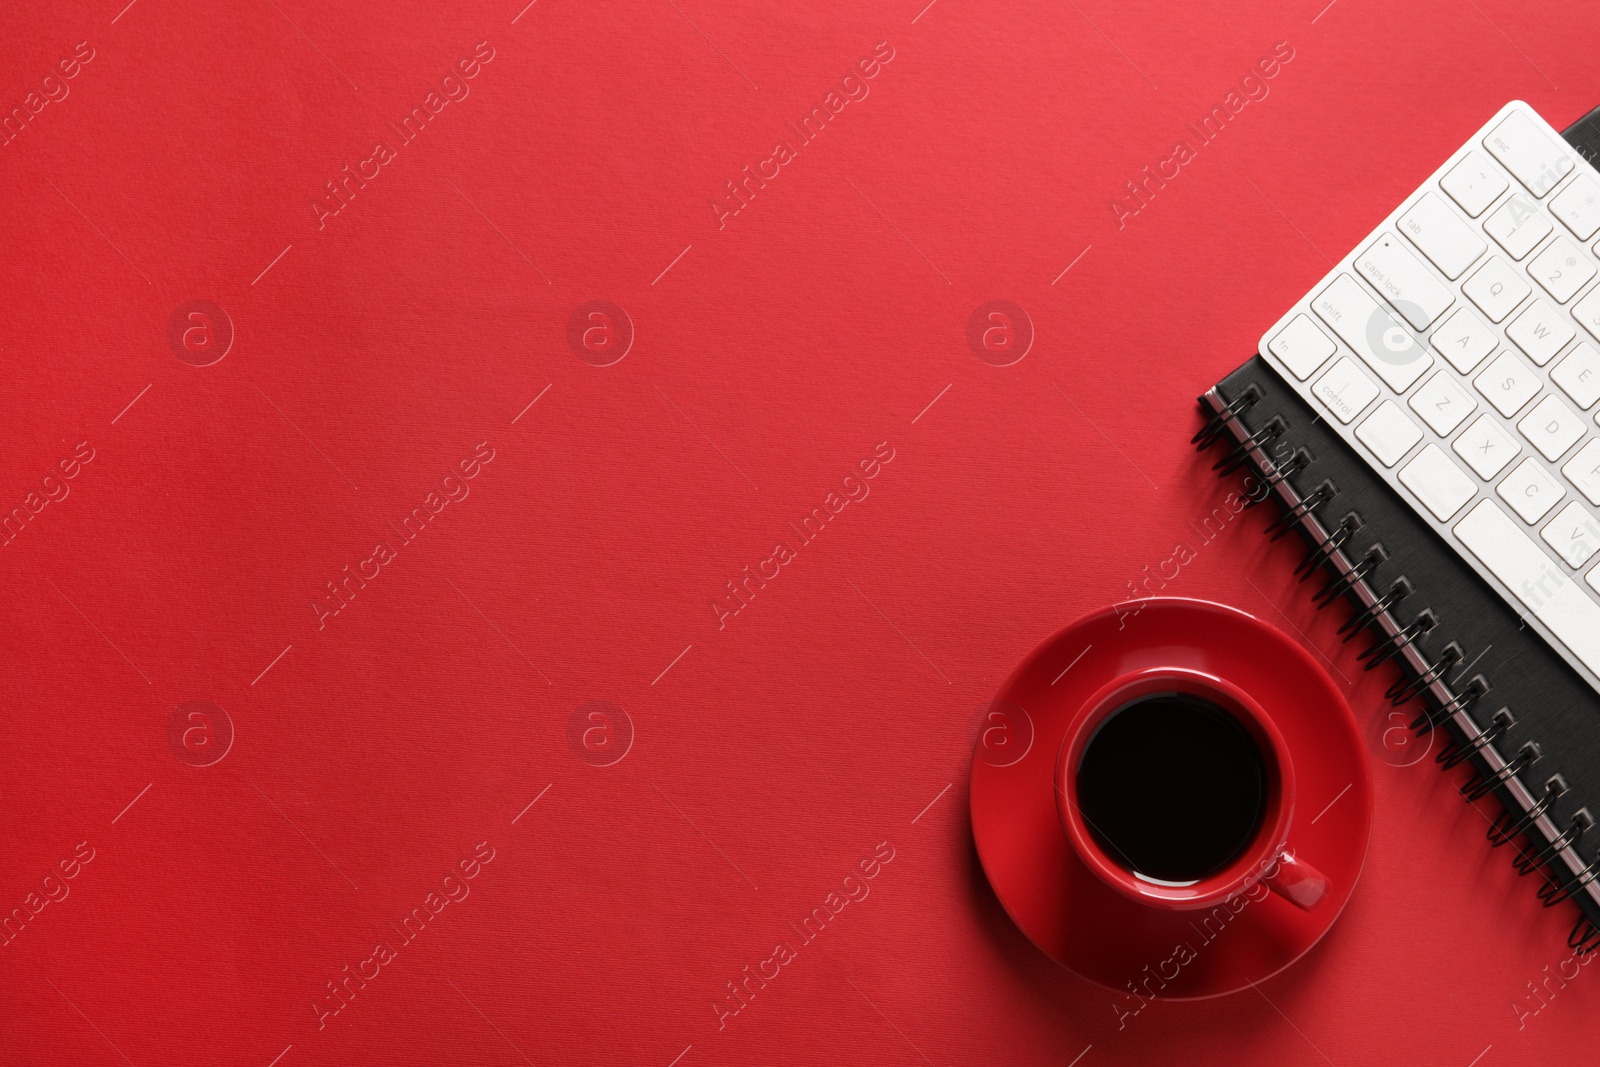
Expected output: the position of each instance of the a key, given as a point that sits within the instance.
(1436, 480)
(1578, 207)
(1551, 427)
(1531, 155)
(1302, 346)
(1583, 471)
(1440, 234)
(1389, 432)
(1345, 390)
(1474, 183)
(1587, 312)
(1375, 335)
(1562, 268)
(1408, 286)
(1579, 375)
(1486, 447)
(1496, 287)
(1541, 331)
(1573, 533)
(1508, 383)
(1530, 491)
(1464, 340)
(1524, 569)
(1442, 403)
(1517, 225)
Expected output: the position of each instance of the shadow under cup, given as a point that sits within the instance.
(1175, 788)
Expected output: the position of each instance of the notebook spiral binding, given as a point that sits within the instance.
(1550, 849)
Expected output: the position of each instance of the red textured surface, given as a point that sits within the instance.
(770, 358)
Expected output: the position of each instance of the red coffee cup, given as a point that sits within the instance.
(1267, 858)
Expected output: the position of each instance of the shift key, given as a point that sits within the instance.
(1400, 277)
(1375, 335)
(1441, 235)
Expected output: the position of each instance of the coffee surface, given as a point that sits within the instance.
(1172, 787)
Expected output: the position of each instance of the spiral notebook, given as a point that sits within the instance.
(1512, 709)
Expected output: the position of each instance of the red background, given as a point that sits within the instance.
(773, 355)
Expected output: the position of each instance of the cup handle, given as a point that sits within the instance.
(1295, 880)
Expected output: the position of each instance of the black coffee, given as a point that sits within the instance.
(1172, 787)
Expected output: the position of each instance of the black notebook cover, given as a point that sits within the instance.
(1513, 709)
(1513, 668)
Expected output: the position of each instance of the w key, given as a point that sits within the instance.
(1541, 331)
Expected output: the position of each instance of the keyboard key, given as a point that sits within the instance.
(1508, 383)
(1345, 390)
(1579, 375)
(1578, 207)
(1464, 340)
(1442, 403)
(1552, 428)
(1486, 447)
(1302, 346)
(1436, 480)
(1541, 331)
(1587, 312)
(1375, 335)
(1402, 280)
(1496, 288)
(1389, 432)
(1583, 471)
(1522, 567)
(1529, 152)
(1441, 236)
(1518, 225)
(1562, 268)
(1530, 491)
(1573, 533)
(1474, 183)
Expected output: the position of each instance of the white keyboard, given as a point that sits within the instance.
(1457, 349)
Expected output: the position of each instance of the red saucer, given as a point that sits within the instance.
(1072, 915)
